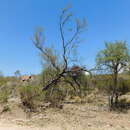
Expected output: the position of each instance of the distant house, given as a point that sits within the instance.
(26, 78)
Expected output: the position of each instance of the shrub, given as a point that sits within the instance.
(5, 109)
(29, 96)
(2, 81)
(123, 86)
(103, 83)
(55, 96)
(4, 95)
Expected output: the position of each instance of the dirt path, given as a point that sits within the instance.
(72, 117)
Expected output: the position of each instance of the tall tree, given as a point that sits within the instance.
(114, 58)
(69, 40)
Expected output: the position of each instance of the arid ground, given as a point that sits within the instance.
(71, 117)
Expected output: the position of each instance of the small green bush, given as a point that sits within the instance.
(123, 86)
(29, 96)
(4, 95)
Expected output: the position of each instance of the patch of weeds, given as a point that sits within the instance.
(6, 108)
(30, 95)
(4, 95)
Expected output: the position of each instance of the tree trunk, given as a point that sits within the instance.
(115, 82)
(113, 99)
(115, 88)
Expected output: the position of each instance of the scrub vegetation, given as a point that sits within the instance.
(64, 81)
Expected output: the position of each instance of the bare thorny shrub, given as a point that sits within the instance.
(59, 67)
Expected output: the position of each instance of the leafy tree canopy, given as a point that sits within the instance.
(114, 57)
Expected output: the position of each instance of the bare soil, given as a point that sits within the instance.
(71, 117)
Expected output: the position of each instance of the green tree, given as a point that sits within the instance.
(114, 58)
(17, 73)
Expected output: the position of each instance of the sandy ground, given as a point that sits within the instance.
(71, 117)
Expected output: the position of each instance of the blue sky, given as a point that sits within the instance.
(108, 20)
